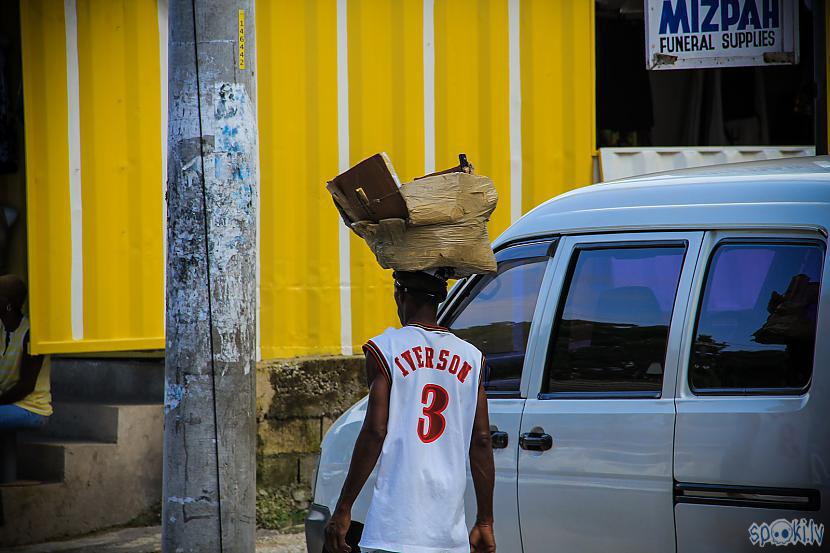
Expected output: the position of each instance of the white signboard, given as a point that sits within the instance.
(684, 34)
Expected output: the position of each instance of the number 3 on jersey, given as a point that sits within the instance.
(436, 400)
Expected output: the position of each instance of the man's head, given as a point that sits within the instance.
(417, 295)
(12, 298)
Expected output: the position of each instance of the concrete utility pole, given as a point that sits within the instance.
(209, 423)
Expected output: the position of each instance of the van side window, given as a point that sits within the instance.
(495, 317)
(756, 325)
(612, 330)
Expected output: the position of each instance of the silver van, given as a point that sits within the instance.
(659, 367)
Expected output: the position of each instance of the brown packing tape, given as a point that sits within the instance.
(464, 246)
(449, 198)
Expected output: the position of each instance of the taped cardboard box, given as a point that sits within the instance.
(449, 198)
(369, 191)
(436, 221)
(462, 247)
(447, 227)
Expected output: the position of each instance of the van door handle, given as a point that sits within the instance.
(499, 439)
(536, 441)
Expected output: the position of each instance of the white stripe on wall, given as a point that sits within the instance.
(515, 75)
(161, 8)
(343, 164)
(251, 19)
(429, 86)
(75, 206)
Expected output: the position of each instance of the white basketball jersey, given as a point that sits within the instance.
(418, 500)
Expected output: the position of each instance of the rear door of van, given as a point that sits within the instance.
(752, 439)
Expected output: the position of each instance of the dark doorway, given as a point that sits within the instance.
(759, 106)
(12, 159)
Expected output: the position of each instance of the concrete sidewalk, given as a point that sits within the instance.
(148, 540)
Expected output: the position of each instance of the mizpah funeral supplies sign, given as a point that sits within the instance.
(683, 34)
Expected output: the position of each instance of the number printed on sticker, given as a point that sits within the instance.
(433, 423)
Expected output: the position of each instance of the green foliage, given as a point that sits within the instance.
(276, 510)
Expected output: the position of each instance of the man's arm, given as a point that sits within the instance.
(365, 455)
(29, 369)
(483, 472)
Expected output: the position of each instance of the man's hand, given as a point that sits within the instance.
(482, 539)
(484, 475)
(336, 530)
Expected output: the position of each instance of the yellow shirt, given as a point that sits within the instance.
(40, 400)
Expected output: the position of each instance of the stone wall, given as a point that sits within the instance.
(297, 401)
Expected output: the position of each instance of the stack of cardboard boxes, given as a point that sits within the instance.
(436, 222)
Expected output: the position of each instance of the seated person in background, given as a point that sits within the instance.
(25, 396)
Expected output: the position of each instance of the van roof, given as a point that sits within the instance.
(784, 193)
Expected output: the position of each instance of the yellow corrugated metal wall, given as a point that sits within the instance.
(113, 297)
(299, 134)
(558, 98)
(47, 172)
(386, 109)
(297, 97)
(471, 93)
(509, 82)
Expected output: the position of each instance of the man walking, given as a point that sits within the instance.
(427, 412)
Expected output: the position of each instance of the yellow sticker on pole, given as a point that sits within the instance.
(242, 39)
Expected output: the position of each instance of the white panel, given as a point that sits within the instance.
(343, 165)
(73, 96)
(161, 13)
(619, 163)
(429, 86)
(515, 82)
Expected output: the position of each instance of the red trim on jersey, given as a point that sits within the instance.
(430, 327)
(378, 355)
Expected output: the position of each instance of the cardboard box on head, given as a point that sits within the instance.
(368, 191)
(445, 224)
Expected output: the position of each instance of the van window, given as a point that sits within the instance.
(611, 334)
(756, 327)
(496, 314)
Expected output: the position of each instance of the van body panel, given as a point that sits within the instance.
(695, 531)
(335, 456)
(773, 447)
(606, 482)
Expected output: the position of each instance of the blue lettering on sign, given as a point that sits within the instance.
(672, 19)
(749, 16)
(730, 13)
(685, 16)
(770, 14)
(708, 26)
